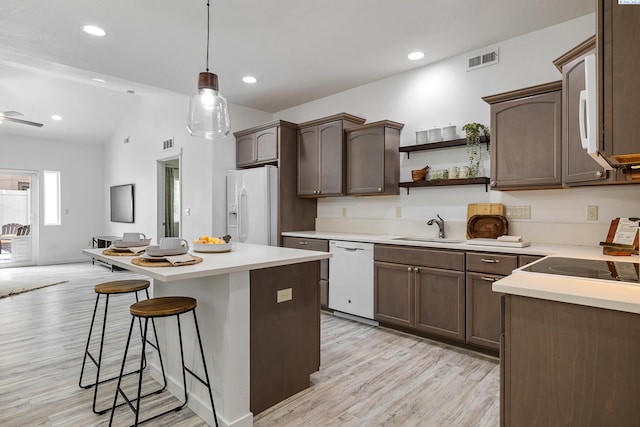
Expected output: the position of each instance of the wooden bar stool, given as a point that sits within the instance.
(151, 309)
(107, 289)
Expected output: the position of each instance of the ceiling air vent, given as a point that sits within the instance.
(483, 59)
(167, 144)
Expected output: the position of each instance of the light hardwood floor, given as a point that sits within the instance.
(369, 376)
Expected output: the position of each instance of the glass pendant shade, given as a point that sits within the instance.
(208, 111)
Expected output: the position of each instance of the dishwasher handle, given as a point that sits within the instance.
(346, 248)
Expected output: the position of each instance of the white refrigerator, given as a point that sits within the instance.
(252, 205)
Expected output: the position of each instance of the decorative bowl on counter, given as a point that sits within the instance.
(210, 247)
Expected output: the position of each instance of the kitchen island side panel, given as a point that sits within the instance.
(285, 331)
(569, 364)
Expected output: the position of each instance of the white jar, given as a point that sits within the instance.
(453, 172)
(449, 132)
(435, 135)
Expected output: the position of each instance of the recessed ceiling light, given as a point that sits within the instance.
(56, 117)
(96, 79)
(249, 79)
(414, 56)
(94, 31)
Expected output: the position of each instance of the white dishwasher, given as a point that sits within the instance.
(351, 278)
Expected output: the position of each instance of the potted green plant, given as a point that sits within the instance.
(474, 131)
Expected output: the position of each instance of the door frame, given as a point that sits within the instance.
(33, 215)
(161, 165)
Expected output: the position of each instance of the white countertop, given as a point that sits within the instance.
(533, 249)
(243, 257)
(596, 293)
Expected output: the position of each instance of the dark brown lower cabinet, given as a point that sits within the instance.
(285, 332)
(568, 364)
(321, 245)
(420, 296)
(483, 311)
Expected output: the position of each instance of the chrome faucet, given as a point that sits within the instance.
(440, 223)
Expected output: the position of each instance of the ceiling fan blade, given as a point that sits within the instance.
(10, 113)
(24, 122)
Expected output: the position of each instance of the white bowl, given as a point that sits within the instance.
(205, 247)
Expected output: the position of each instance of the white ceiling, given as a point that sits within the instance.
(299, 50)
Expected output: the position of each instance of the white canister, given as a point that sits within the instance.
(463, 172)
(449, 132)
(435, 135)
(453, 172)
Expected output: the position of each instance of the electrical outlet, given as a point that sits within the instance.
(398, 212)
(518, 212)
(592, 213)
(284, 295)
(344, 212)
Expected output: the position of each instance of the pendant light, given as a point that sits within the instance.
(208, 113)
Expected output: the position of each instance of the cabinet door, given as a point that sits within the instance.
(483, 311)
(267, 145)
(578, 167)
(365, 161)
(245, 150)
(618, 30)
(308, 161)
(394, 293)
(331, 144)
(440, 301)
(526, 142)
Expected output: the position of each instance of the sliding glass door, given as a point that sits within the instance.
(18, 190)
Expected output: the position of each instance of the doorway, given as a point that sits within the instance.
(18, 196)
(169, 198)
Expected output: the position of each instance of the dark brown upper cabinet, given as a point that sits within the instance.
(373, 159)
(260, 145)
(321, 155)
(578, 167)
(526, 138)
(618, 58)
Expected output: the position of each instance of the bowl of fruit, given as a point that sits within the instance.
(206, 243)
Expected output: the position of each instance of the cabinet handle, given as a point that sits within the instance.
(490, 261)
(416, 270)
(599, 174)
(379, 190)
(409, 269)
(303, 243)
(488, 279)
(492, 184)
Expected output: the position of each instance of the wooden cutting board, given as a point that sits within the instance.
(483, 209)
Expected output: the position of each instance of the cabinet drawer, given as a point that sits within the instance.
(310, 245)
(491, 263)
(303, 243)
(447, 260)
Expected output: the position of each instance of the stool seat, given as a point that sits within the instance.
(121, 286)
(162, 306)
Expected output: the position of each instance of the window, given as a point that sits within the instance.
(51, 198)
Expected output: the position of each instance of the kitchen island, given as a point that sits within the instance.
(570, 346)
(258, 310)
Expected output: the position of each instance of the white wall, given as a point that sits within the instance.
(204, 164)
(445, 93)
(81, 178)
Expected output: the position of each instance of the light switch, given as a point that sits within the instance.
(187, 211)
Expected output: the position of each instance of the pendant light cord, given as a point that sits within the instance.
(208, 18)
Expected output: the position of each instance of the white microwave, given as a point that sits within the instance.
(589, 112)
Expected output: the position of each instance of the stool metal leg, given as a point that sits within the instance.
(206, 372)
(139, 397)
(98, 363)
(140, 372)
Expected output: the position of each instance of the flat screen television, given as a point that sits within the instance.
(121, 199)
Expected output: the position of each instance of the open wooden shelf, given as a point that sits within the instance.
(444, 182)
(435, 145)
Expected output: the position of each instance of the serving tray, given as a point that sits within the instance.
(487, 226)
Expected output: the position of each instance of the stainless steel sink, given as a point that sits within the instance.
(429, 239)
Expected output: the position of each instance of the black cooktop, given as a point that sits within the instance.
(588, 268)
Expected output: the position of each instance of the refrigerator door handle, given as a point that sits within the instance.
(242, 214)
